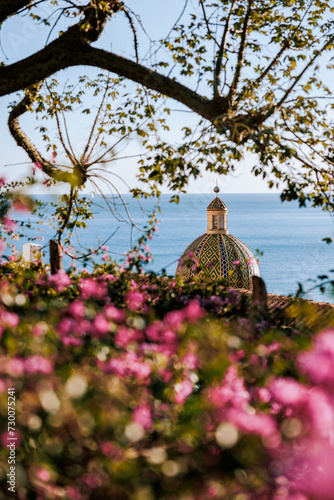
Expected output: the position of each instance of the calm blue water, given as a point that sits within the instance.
(289, 237)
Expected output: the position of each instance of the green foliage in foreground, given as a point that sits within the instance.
(168, 391)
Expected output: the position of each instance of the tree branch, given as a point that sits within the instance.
(241, 53)
(207, 23)
(24, 142)
(274, 108)
(135, 39)
(218, 67)
(10, 7)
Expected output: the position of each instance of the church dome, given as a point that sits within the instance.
(218, 254)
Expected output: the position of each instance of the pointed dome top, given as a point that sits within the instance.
(217, 204)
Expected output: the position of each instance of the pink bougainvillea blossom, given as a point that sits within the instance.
(142, 415)
(92, 288)
(100, 325)
(111, 450)
(134, 300)
(182, 391)
(9, 319)
(2, 247)
(43, 474)
(114, 314)
(193, 312)
(288, 391)
(9, 224)
(15, 366)
(318, 363)
(129, 364)
(59, 281)
(191, 361)
(38, 364)
(77, 309)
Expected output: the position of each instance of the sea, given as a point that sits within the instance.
(287, 239)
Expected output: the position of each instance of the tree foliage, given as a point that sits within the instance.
(249, 70)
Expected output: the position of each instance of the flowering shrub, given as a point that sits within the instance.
(129, 389)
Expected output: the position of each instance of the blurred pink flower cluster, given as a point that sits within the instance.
(308, 453)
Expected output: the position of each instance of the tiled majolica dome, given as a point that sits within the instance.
(219, 254)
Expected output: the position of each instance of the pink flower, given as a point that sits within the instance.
(2, 386)
(9, 224)
(183, 390)
(124, 336)
(73, 493)
(193, 311)
(142, 416)
(38, 364)
(114, 314)
(91, 480)
(59, 281)
(11, 320)
(15, 367)
(236, 262)
(134, 300)
(264, 394)
(191, 361)
(288, 391)
(318, 363)
(6, 437)
(117, 366)
(311, 469)
(21, 206)
(77, 309)
(140, 369)
(100, 325)
(2, 181)
(2, 246)
(91, 288)
(38, 165)
(112, 451)
(261, 424)
(275, 346)
(43, 475)
(174, 319)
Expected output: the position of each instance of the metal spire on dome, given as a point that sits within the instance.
(217, 214)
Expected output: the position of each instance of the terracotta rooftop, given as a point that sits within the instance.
(279, 306)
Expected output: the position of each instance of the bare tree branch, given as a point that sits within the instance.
(241, 53)
(23, 141)
(220, 55)
(133, 31)
(207, 23)
(317, 53)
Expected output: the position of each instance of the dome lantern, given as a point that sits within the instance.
(218, 253)
(217, 215)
